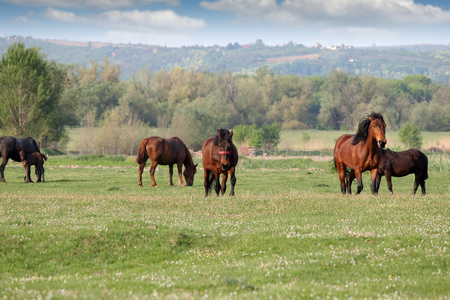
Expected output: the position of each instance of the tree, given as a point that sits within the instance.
(410, 136)
(120, 132)
(30, 91)
(270, 136)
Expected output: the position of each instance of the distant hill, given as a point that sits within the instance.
(393, 62)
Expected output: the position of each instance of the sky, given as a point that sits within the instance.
(176, 23)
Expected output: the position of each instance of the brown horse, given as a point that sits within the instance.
(37, 159)
(166, 152)
(220, 156)
(360, 152)
(399, 164)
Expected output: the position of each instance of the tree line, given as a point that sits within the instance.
(41, 98)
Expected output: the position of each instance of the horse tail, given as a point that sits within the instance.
(425, 173)
(142, 156)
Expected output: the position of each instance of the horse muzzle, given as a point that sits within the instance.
(225, 167)
(190, 183)
(381, 144)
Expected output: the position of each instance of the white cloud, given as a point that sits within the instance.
(92, 4)
(136, 20)
(64, 16)
(133, 21)
(24, 20)
(343, 12)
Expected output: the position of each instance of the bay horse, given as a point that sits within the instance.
(360, 152)
(166, 152)
(220, 156)
(399, 164)
(37, 159)
(10, 148)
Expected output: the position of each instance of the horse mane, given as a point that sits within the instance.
(363, 127)
(223, 134)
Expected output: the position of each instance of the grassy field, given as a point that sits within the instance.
(90, 232)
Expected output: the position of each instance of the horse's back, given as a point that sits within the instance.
(166, 151)
(343, 147)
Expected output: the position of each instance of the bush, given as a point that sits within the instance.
(410, 136)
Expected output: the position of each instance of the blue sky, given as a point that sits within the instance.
(219, 22)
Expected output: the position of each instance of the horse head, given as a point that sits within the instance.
(189, 173)
(224, 142)
(378, 128)
(372, 125)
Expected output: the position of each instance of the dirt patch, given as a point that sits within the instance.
(292, 58)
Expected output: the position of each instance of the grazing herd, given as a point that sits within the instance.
(353, 154)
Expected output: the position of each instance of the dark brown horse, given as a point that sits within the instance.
(360, 152)
(37, 159)
(166, 152)
(10, 148)
(220, 156)
(399, 164)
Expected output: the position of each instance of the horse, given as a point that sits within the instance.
(10, 148)
(399, 164)
(360, 152)
(220, 156)
(166, 152)
(36, 159)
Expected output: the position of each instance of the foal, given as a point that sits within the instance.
(399, 164)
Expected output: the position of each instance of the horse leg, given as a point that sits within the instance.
(27, 173)
(152, 173)
(388, 176)
(180, 169)
(141, 169)
(37, 171)
(207, 182)
(358, 175)
(224, 183)
(2, 168)
(233, 181)
(373, 185)
(416, 183)
(217, 185)
(170, 175)
(349, 180)
(341, 172)
(422, 185)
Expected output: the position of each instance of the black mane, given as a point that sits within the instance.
(363, 127)
(223, 135)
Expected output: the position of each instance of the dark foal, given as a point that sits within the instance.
(399, 164)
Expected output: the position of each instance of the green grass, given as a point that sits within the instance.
(90, 232)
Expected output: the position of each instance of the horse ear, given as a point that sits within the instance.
(231, 133)
(218, 134)
(196, 165)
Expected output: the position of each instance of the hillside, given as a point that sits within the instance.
(432, 61)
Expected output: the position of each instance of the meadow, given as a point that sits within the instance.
(90, 232)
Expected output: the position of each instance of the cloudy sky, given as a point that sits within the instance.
(219, 22)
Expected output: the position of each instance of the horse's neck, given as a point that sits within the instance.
(188, 162)
(372, 145)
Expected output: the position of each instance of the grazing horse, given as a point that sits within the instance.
(360, 152)
(220, 156)
(10, 147)
(36, 159)
(166, 152)
(399, 164)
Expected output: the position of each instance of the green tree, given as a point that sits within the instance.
(410, 136)
(195, 122)
(270, 136)
(30, 91)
